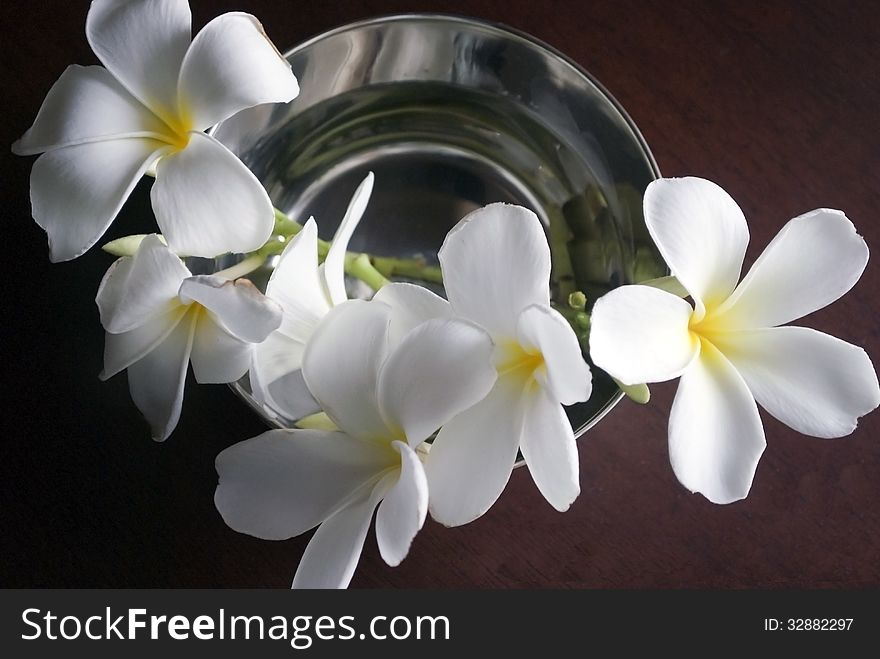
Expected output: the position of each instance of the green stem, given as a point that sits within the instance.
(242, 268)
(416, 268)
(375, 271)
(359, 265)
(284, 225)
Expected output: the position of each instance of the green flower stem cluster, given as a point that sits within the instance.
(375, 271)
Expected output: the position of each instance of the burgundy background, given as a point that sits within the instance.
(776, 101)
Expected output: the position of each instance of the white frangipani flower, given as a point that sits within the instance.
(496, 271)
(103, 128)
(728, 348)
(386, 397)
(159, 317)
(306, 292)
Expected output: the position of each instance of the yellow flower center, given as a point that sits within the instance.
(179, 134)
(512, 358)
(708, 327)
(179, 124)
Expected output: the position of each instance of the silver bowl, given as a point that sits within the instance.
(451, 114)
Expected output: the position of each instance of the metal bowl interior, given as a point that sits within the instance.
(452, 114)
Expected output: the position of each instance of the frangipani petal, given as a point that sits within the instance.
(403, 510)
(812, 382)
(283, 482)
(276, 377)
(812, 261)
(77, 191)
(238, 306)
(549, 449)
(496, 262)
(230, 66)
(439, 369)
(217, 356)
(296, 285)
(87, 104)
(701, 234)
(123, 350)
(208, 203)
(156, 381)
(142, 44)
(411, 305)
(565, 372)
(640, 334)
(472, 457)
(334, 264)
(715, 434)
(140, 287)
(341, 366)
(335, 549)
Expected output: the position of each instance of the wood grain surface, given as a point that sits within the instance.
(776, 101)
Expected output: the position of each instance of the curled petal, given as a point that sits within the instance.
(238, 306)
(496, 262)
(715, 434)
(403, 510)
(411, 305)
(341, 366)
(565, 372)
(276, 377)
(812, 382)
(640, 334)
(87, 104)
(334, 264)
(137, 288)
(701, 234)
(156, 381)
(335, 549)
(284, 482)
(812, 261)
(230, 66)
(77, 191)
(549, 449)
(440, 368)
(472, 457)
(297, 286)
(217, 356)
(142, 44)
(123, 350)
(208, 203)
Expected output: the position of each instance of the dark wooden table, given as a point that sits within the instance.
(776, 101)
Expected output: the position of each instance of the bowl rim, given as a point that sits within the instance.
(506, 31)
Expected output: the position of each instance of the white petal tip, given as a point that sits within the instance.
(391, 561)
(722, 500)
(451, 521)
(562, 504)
(60, 255)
